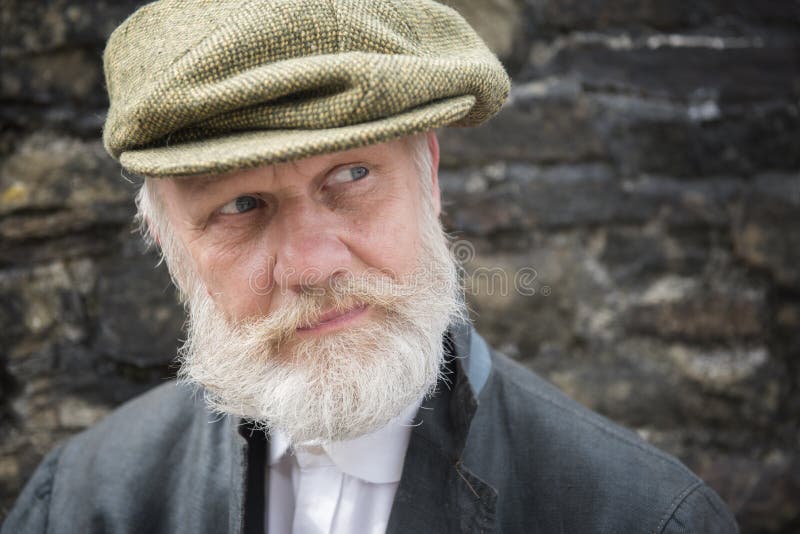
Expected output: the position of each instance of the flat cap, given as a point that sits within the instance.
(210, 86)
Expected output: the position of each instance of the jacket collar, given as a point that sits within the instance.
(437, 491)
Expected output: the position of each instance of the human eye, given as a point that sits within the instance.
(240, 205)
(349, 173)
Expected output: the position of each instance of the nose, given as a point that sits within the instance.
(309, 246)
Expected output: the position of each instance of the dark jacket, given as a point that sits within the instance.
(498, 450)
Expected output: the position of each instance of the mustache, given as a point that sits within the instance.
(339, 294)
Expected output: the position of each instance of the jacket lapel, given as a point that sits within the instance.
(438, 492)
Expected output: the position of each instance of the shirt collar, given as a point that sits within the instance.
(376, 457)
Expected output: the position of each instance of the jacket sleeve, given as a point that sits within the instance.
(31, 511)
(700, 512)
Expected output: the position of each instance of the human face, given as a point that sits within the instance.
(259, 237)
(340, 378)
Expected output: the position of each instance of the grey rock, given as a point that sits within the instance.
(764, 233)
(69, 74)
(540, 123)
(44, 26)
(53, 172)
(549, 16)
(684, 309)
(646, 136)
(525, 196)
(136, 313)
(755, 67)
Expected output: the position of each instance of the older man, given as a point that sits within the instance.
(291, 185)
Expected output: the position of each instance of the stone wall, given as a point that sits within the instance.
(639, 197)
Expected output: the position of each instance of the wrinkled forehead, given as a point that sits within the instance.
(408, 152)
(407, 157)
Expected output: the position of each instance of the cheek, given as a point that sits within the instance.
(389, 239)
(235, 275)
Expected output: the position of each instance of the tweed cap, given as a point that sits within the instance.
(210, 86)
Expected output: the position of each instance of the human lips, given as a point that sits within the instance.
(333, 319)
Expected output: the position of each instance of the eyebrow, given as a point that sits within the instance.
(200, 183)
(197, 184)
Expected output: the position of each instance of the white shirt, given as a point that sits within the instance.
(338, 488)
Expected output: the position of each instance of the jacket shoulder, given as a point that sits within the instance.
(31, 513)
(136, 467)
(154, 418)
(584, 472)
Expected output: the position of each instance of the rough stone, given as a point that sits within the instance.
(692, 386)
(678, 204)
(495, 198)
(75, 413)
(531, 197)
(719, 370)
(633, 254)
(555, 122)
(768, 490)
(529, 287)
(60, 197)
(135, 293)
(50, 172)
(45, 26)
(756, 68)
(683, 308)
(541, 122)
(657, 137)
(770, 207)
(549, 16)
(70, 74)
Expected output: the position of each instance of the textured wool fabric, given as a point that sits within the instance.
(199, 87)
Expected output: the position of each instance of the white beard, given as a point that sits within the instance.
(339, 385)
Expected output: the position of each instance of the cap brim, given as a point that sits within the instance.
(264, 147)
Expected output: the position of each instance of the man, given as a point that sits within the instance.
(291, 185)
